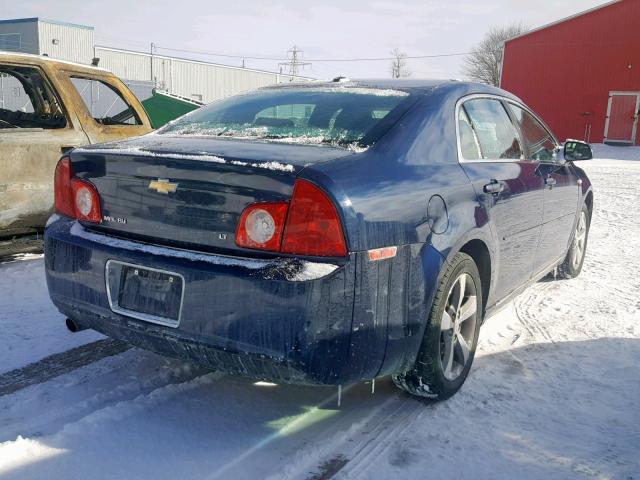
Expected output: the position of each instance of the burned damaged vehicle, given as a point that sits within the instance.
(326, 233)
(48, 107)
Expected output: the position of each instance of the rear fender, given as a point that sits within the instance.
(487, 236)
(410, 283)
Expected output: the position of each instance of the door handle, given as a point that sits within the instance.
(494, 187)
(550, 181)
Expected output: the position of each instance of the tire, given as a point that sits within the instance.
(439, 372)
(572, 265)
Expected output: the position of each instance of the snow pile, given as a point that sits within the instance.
(139, 151)
(376, 92)
(20, 452)
(274, 166)
(354, 146)
(199, 156)
(299, 135)
(313, 271)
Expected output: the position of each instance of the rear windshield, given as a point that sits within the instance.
(347, 117)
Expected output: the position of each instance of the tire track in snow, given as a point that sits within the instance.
(391, 425)
(558, 310)
(59, 364)
(527, 305)
(371, 437)
(100, 384)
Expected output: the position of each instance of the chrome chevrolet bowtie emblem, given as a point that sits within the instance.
(163, 185)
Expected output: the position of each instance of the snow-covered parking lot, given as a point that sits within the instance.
(554, 392)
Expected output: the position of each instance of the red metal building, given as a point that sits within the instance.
(582, 73)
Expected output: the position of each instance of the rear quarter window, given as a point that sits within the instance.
(105, 103)
(497, 137)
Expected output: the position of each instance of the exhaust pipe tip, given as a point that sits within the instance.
(73, 326)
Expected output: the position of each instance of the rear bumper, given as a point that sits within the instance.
(269, 319)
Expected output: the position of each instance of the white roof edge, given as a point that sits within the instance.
(565, 19)
(201, 62)
(51, 59)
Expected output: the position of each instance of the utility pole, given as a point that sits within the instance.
(295, 62)
(151, 61)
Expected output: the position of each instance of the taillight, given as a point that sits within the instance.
(63, 196)
(261, 226)
(313, 224)
(74, 197)
(308, 225)
(87, 201)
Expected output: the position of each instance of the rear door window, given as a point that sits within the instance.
(106, 105)
(540, 144)
(27, 100)
(497, 136)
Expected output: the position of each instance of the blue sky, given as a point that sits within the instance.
(326, 29)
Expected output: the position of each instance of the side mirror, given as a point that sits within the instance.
(577, 150)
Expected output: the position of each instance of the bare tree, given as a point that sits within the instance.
(399, 64)
(484, 62)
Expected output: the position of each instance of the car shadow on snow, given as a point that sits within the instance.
(552, 410)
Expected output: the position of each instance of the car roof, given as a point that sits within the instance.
(41, 59)
(423, 86)
(377, 83)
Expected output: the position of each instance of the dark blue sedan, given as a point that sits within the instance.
(324, 233)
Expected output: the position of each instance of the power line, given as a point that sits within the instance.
(108, 38)
(387, 58)
(283, 60)
(247, 57)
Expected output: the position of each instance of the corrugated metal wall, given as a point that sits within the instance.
(66, 42)
(24, 32)
(565, 71)
(131, 66)
(212, 82)
(201, 81)
(12, 95)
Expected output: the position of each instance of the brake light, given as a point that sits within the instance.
(74, 197)
(63, 195)
(313, 224)
(261, 226)
(308, 225)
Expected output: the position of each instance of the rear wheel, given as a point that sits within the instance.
(451, 336)
(572, 265)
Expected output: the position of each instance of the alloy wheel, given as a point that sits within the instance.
(579, 241)
(458, 326)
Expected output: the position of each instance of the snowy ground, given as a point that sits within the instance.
(31, 326)
(554, 392)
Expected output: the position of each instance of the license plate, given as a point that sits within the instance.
(145, 293)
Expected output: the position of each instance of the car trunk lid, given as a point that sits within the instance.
(189, 192)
